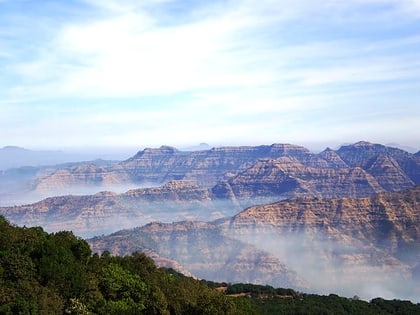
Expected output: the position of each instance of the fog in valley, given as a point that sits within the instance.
(346, 269)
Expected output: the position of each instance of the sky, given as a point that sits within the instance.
(91, 74)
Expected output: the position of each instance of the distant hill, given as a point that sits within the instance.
(106, 212)
(204, 251)
(17, 184)
(268, 171)
(15, 157)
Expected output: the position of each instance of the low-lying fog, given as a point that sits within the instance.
(344, 269)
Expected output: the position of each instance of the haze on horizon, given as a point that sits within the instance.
(128, 74)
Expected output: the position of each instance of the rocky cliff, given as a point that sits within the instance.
(274, 171)
(156, 166)
(244, 176)
(204, 251)
(271, 180)
(356, 241)
(389, 221)
(105, 212)
(364, 153)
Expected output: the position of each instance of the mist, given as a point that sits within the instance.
(350, 269)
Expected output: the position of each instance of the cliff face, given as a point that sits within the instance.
(390, 221)
(265, 172)
(106, 212)
(362, 153)
(204, 251)
(271, 180)
(205, 167)
(157, 166)
(83, 175)
(341, 242)
(244, 176)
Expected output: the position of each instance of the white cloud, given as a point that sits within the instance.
(227, 70)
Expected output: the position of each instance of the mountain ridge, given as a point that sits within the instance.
(155, 166)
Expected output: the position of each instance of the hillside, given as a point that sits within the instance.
(204, 251)
(56, 273)
(334, 244)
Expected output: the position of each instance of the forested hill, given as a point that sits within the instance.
(43, 273)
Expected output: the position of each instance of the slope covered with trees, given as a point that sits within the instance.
(43, 273)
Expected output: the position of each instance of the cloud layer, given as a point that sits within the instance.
(226, 72)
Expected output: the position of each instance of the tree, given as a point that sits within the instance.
(124, 291)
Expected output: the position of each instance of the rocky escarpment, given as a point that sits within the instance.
(275, 171)
(388, 221)
(333, 159)
(363, 154)
(105, 212)
(156, 166)
(271, 180)
(353, 171)
(247, 179)
(204, 251)
(85, 175)
(345, 244)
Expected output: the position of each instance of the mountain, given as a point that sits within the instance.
(337, 218)
(340, 243)
(243, 176)
(272, 180)
(106, 212)
(346, 245)
(15, 157)
(18, 185)
(388, 221)
(364, 153)
(159, 165)
(57, 274)
(362, 162)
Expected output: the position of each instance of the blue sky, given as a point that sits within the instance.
(93, 74)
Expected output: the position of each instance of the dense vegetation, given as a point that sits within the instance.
(43, 273)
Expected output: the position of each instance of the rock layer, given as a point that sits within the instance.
(354, 171)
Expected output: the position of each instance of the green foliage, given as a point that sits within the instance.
(266, 300)
(122, 290)
(43, 273)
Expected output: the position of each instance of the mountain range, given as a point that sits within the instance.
(345, 219)
(209, 167)
(269, 172)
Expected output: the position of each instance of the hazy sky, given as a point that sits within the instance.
(115, 73)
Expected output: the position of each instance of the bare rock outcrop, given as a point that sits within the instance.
(392, 169)
(204, 251)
